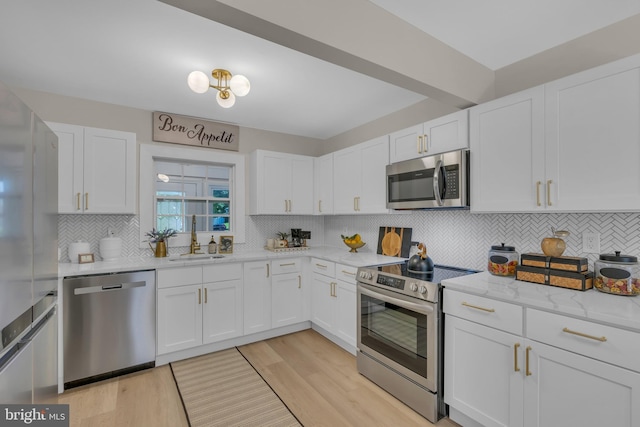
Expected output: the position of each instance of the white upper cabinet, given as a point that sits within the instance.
(281, 183)
(97, 170)
(507, 153)
(592, 122)
(572, 145)
(359, 178)
(323, 184)
(446, 133)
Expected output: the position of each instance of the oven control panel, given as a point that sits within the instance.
(416, 288)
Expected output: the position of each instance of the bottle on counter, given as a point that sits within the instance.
(213, 246)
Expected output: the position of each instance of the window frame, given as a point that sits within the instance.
(149, 153)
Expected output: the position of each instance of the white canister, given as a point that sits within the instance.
(76, 248)
(110, 248)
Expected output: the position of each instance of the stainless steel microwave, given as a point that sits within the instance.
(432, 182)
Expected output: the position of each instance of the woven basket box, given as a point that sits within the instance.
(566, 263)
(580, 281)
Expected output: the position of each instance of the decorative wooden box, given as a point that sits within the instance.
(580, 281)
(566, 263)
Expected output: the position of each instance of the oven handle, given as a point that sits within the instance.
(420, 308)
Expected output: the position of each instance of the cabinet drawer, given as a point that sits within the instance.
(496, 314)
(321, 266)
(609, 344)
(221, 272)
(281, 266)
(346, 273)
(169, 277)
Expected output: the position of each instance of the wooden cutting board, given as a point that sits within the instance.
(394, 241)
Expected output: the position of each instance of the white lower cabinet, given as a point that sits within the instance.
(198, 305)
(257, 296)
(500, 378)
(287, 292)
(333, 299)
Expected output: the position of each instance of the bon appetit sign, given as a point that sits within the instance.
(185, 130)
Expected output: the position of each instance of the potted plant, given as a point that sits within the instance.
(282, 241)
(160, 239)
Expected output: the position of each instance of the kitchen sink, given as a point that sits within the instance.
(199, 257)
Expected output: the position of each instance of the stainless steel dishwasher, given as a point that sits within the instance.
(109, 325)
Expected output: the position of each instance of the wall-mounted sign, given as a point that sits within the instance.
(185, 130)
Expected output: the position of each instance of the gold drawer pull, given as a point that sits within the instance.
(490, 310)
(580, 334)
(287, 264)
(321, 266)
(515, 357)
(348, 272)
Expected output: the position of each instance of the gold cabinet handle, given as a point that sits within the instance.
(333, 289)
(77, 201)
(489, 310)
(426, 144)
(526, 361)
(199, 296)
(581, 334)
(348, 272)
(419, 145)
(287, 264)
(285, 205)
(549, 182)
(355, 208)
(321, 265)
(86, 201)
(538, 184)
(320, 206)
(267, 269)
(358, 199)
(290, 206)
(516, 346)
(299, 281)
(205, 295)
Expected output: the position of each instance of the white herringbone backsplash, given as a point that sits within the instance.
(452, 237)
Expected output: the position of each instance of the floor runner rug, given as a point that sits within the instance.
(223, 389)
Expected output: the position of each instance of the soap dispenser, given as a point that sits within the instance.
(213, 247)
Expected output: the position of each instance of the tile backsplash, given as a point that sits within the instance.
(452, 237)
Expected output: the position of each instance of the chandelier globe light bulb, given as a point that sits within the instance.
(198, 82)
(240, 85)
(225, 98)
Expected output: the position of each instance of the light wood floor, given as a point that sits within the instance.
(316, 379)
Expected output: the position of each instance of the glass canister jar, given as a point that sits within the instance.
(503, 260)
(617, 274)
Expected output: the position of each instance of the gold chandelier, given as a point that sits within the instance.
(228, 86)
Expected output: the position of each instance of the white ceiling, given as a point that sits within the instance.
(138, 53)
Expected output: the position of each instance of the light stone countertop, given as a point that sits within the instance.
(613, 310)
(339, 255)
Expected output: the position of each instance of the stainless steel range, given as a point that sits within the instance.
(400, 340)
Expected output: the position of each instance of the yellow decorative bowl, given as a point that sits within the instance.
(355, 246)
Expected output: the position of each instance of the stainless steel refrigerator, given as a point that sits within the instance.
(28, 254)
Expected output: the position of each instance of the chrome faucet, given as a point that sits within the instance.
(195, 246)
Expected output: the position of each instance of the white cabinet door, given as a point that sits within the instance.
(566, 389)
(281, 183)
(593, 139)
(179, 318)
(257, 297)
(323, 185)
(373, 192)
(323, 304)
(407, 144)
(483, 373)
(70, 166)
(287, 302)
(346, 312)
(507, 153)
(222, 311)
(301, 182)
(347, 176)
(97, 170)
(447, 133)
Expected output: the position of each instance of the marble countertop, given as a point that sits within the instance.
(338, 255)
(614, 310)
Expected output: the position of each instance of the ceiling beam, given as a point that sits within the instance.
(360, 36)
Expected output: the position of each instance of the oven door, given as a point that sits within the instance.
(399, 333)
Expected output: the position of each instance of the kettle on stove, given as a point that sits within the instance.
(420, 263)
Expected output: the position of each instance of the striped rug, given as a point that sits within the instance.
(223, 389)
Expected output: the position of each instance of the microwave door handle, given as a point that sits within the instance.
(436, 183)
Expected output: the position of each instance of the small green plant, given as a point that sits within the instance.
(282, 235)
(160, 236)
